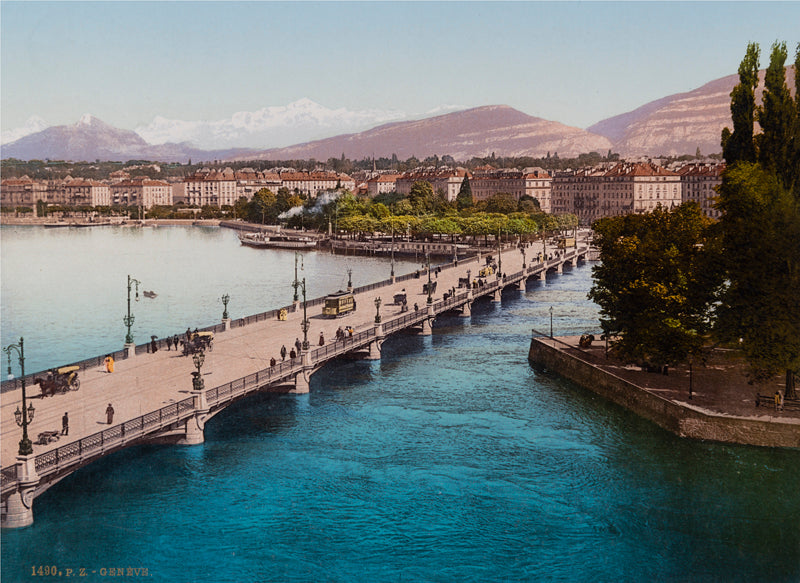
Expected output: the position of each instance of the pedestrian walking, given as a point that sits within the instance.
(188, 334)
(169, 343)
(321, 339)
(292, 354)
(65, 424)
(297, 344)
(272, 361)
(109, 414)
(153, 344)
(109, 362)
(283, 352)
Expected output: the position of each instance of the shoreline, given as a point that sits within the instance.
(722, 408)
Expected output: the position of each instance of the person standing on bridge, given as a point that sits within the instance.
(321, 339)
(283, 352)
(65, 424)
(109, 414)
(298, 345)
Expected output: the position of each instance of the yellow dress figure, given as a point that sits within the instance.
(109, 361)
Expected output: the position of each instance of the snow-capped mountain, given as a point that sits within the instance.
(33, 125)
(267, 127)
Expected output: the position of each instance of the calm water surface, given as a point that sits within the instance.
(449, 459)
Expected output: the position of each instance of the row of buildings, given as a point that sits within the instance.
(590, 193)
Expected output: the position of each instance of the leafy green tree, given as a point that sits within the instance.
(656, 283)
(262, 207)
(421, 197)
(502, 202)
(738, 145)
(777, 117)
(464, 198)
(760, 307)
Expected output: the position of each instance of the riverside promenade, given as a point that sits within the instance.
(153, 396)
(721, 406)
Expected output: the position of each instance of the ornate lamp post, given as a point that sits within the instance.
(378, 310)
(469, 279)
(523, 258)
(551, 321)
(128, 320)
(391, 274)
(305, 324)
(499, 255)
(25, 416)
(296, 283)
(225, 299)
(197, 381)
(428, 260)
(349, 279)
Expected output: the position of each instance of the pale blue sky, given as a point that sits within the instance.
(577, 63)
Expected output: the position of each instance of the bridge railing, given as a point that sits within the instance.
(253, 381)
(8, 478)
(100, 442)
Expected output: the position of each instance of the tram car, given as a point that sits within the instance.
(339, 304)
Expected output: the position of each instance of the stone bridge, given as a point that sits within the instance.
(156, 400)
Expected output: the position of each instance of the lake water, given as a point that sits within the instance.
(449, 459)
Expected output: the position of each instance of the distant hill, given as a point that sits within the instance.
(464, 134)
(678, 124)
(92, 139)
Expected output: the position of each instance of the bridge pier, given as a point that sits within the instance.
(193, 433)
(522, 284)
(375, 347)
(560, 268)
(497, 295)
(19, 506)
(466, 309)
(427, 323)
(543, 275)
(302, 380)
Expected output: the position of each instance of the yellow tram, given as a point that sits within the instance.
(339, 304)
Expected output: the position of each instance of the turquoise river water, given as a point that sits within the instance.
(450, 459)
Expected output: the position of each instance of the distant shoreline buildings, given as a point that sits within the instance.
(608, 189)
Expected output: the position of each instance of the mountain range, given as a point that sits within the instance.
(674, 125)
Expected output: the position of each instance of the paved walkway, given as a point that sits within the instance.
(150, 381)
(718, 386)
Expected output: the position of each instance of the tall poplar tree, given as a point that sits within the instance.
(760, 227)
(776, 116)
(464, 198)
(738, 145)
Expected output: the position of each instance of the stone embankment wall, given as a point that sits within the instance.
(680, 419)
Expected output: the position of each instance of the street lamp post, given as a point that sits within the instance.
(304, 325)
(25, 416)
(197, 380)
(225, 299)
(296, 283)
(499, 255)
(378, 310)
(392, 272)
(349, 280)
(128, 320)
(428, 260)
(523, 258)
(551, 321)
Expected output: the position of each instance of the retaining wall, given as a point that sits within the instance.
(681, 420)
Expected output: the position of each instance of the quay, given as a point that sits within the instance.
(162, 397)
(712, 402)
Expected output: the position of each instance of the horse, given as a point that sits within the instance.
(48, 386)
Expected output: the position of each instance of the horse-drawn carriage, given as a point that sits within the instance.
(432, 285)
(59, 380)
(198, 342)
